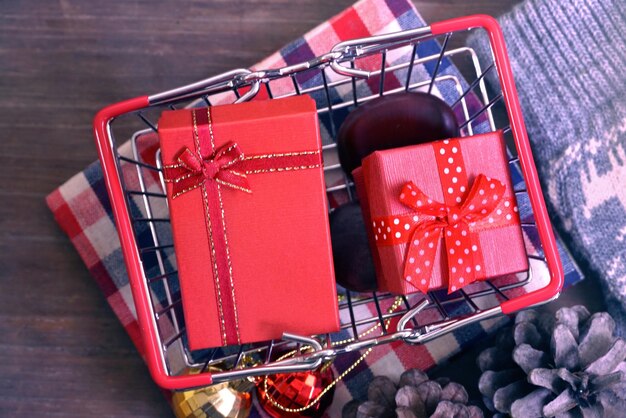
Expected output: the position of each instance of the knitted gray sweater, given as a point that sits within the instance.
(569, 63)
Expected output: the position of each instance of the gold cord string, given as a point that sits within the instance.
(392, 308)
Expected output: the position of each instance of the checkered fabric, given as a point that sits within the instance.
(82, 209)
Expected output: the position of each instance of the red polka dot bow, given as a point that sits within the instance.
(462, 254)
(191, 170)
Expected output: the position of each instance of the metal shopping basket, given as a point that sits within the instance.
(337, 81)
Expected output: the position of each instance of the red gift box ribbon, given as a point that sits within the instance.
(459, 219)
(193, 170)
(209, 168)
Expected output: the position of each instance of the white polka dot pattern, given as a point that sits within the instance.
(465, 212)
(452, 170)
(424, 228)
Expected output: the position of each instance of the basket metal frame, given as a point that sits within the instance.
(343, 59)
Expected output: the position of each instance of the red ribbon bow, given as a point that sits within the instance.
(192, 169)
(454, 222)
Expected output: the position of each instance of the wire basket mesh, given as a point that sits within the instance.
(429, 59)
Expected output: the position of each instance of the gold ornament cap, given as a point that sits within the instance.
(223, 400)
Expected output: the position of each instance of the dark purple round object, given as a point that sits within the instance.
(354, 268)
(393, 121)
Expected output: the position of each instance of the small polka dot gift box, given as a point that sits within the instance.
(441, 214)
(245, 190)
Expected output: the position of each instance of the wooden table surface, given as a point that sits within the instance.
(62, 351)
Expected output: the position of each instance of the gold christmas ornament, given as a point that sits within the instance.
(223, 400)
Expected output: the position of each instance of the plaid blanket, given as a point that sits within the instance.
(82, 209)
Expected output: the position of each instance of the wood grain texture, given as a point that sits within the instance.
(62, 351)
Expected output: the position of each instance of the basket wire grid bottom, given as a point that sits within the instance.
(364, 317)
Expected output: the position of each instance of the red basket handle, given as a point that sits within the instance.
(110, 170)
(509, 91)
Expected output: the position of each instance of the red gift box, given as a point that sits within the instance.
(248, 207)
(442, 214)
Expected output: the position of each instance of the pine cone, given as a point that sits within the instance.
(569, 365)
(414, 397)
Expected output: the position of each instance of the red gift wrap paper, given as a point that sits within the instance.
(441, 214)
(249, 218)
